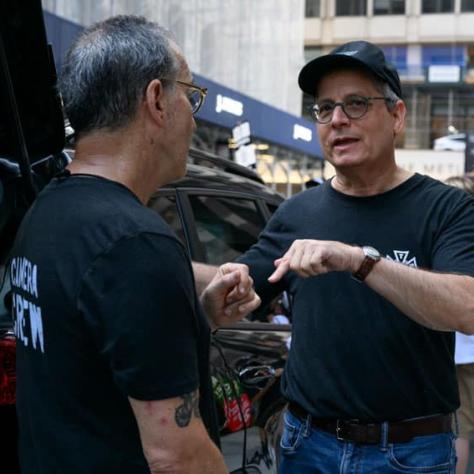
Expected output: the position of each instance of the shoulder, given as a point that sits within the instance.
(145, 260)
(437, 191)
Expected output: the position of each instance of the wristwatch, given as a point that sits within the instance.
(372, 256)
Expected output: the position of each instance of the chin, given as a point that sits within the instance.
(345, 161)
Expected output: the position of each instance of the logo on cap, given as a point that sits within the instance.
(347, 53)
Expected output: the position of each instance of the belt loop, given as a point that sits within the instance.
(307, 426)
(384, 436)
(456, 424)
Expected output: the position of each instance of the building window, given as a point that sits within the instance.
(312, 8)
(351, 7)
(438, 6)
(442, 55)
(389, 7)
(467, 5)
(312, 52)
(396, 55)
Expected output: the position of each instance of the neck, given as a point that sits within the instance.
(371, 183)
(120, 156)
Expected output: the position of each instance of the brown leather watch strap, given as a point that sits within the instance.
(372, 256)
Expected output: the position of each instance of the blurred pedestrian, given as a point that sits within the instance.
(112, 344)
(379, 264)
(464, 358)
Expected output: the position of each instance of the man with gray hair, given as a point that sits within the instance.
(379, 264)
(113, 345)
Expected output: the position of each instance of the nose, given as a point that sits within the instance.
(339, 117)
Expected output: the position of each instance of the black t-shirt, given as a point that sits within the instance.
(105, 308)
(354, 354)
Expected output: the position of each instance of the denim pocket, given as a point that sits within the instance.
(292, 432)
(424, 454)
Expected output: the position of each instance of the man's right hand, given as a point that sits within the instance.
(230, 296)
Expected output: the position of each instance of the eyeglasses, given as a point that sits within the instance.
(355, 107)
(196, 95)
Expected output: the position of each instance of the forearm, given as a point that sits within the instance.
(205, 458)
(203, 274)
(174, 438)
(436, 300)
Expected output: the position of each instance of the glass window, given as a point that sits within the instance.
(311, 52)
(396, 55)
(272, 208)
(165, 205)
(312, 8)
(6, 322)
(389, 7)
(351, 7)
(437, 6)
(226, 227)
(467, 5)
(444, 55)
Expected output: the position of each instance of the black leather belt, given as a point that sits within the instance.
(371, 433)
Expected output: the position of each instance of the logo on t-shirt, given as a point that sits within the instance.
(28, 323)
(402, 256)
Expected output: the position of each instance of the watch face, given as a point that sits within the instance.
(371, 253)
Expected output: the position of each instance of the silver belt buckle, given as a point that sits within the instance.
(339, 435)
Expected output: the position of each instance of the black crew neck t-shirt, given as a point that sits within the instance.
(105, 308)
(353, 354)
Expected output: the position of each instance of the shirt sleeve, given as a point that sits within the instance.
(454, 248)
(137, 300)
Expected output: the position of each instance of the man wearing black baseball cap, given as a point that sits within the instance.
(379, 264)
(355, 54)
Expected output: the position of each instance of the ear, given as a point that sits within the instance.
(155, 102)
(399, 113)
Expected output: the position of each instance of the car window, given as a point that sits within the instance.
(226, 226)
(5, 314)
(272, 208)
(166, 206)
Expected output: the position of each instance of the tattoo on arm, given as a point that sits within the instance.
(184, 412)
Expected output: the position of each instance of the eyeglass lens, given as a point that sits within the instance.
(353, 107)
(195, 98)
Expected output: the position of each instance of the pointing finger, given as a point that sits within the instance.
(283, 265)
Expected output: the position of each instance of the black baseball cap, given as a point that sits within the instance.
(359, 53)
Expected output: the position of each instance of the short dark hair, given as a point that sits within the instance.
(108, 68)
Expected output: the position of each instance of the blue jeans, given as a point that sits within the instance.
(306, 450)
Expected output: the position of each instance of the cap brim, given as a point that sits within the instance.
(312, 72)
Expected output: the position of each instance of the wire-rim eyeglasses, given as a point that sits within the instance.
(196, 95)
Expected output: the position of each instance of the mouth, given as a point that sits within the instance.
(343, 142)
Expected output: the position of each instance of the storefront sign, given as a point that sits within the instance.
(444, 74)
(302, 133)
(226, 104)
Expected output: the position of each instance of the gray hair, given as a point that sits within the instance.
(387, 92)
(108, 68)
